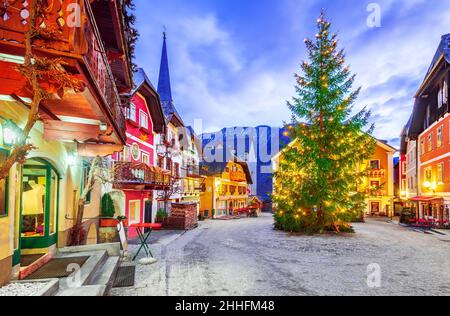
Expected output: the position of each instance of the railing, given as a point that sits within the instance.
(138, 173)
(237, 176)
(97, 60)
(376, 173)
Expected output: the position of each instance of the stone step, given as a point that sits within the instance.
(106, 274)
(88, 290)
(88, 270)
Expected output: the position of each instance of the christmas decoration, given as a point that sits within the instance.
(319, 180)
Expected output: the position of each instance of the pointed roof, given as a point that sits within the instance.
(164, 86)
(442, 53)
(144, 86)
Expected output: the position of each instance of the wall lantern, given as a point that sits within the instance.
(11, 132)
(427, 184)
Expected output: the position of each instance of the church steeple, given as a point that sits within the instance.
(164, 89)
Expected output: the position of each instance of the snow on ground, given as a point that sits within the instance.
(248, 257)
(22, 289)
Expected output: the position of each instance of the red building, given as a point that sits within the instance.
(430, 126)
(136, 172)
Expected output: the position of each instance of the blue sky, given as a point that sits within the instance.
(232, 61)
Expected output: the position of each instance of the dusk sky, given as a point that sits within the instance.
(232, 62)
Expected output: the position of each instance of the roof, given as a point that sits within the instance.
(144, 86)
(442, 52)
(165, 89)
(217, 168)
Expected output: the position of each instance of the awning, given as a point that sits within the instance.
(425, 198)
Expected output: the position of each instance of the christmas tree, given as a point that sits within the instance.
(319, 182)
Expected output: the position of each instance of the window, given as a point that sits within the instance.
(86, 170)
(146, 159)
(131, 113)
(169, 166)
(430, 142)
(442, 94)
(428, 174)
(375, 165)
(125, 154)
(134, 212)
(404, 167)
(422, 147)
(404, 185)
(3, 188)
(177, 170)
(439, 137)
(375, 184)
(428, 117)
(160, 162)
(440, 173)
(143, 119)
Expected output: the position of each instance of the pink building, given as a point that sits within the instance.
(136, 172)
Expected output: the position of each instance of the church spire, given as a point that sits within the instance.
(164, 89)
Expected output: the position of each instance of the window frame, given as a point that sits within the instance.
(145, 154)
(430, 142)
(139, 212)
(378, 163)
(439, 136)
(144, 115)
(129, 111)
(440, 176)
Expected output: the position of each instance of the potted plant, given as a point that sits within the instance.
(124, 220)
(107, 212)
(108, 224)
(161, 217)
(213, 213)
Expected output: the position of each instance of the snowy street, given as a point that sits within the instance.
(247, 257)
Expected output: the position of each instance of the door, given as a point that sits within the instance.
(375, 208)
(148, 212)
(39, 205)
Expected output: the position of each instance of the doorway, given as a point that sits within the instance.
(148, 212)
(39, 205)
(375, 208)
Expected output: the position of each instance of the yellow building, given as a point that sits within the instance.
(379, 183)
(38, 200)
(225, 188)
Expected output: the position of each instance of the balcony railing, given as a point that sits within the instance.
(376, 173)
(129, 173)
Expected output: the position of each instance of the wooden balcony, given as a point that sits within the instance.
(376, 173)
(84, 55)
(138, 176)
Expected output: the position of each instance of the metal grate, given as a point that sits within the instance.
(125, 276)
(57, 268)
(26, 260)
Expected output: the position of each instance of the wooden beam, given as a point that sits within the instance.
(65, 131)
(102, 150)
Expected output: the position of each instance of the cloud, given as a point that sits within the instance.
(233, 64)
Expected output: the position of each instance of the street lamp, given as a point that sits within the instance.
(72, 159)
(11, 132)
